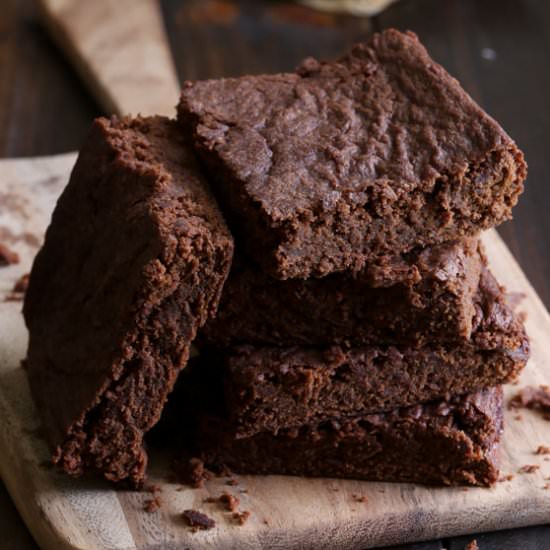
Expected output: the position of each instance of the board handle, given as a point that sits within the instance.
(120, 50)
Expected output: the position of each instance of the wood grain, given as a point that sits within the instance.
(300, 513)
(120, 49)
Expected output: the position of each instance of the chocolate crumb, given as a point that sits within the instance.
(472, 545)
(542, 450)
(266, 522)
(243, 490)
(192, 472)
(535, 398)
(7, 256)
(21, 285)
(507, 477)
(13, 297)
(241, 517)
(359, 498)
(232, 482)
(152, 504)
(197, 520)
(529, 469)
(518, 417)
(229, 501)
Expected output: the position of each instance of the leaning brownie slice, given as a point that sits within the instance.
(453, 442)
(327, 168)
(133, 264)
(274, 388)
(426, 295)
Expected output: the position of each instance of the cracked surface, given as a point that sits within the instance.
(327, 168)
(133, 263)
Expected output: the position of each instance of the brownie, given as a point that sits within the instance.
(426, 295)
(453, 442)
(133, 264)
(270, 388)
(329, 167)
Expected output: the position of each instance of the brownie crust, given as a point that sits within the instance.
(269, 388)
(133, 264)
(424, 296)
(330, 167)
(453, 442)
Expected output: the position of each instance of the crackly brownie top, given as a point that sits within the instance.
(385, 118)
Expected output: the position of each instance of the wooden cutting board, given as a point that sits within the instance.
(287, 513)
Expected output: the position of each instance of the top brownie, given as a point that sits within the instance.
(133, 263)
(327, 168)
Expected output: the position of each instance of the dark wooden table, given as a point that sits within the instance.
(498, 49)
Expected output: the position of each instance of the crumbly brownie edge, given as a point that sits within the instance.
(180, 284)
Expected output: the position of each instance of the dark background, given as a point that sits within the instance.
(498, 49)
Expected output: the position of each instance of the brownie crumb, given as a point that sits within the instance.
(232, 482)
(542, 450)
(231, 502)
(13, 297)
(507, 477)
(21, 285)
(7, 256)
(152, 504)
(472, 545)
(241, 517)
(197, 520)
(192, 472)
(546, 487)
(518, 417)
(359, 498)
(529, 469)
(531, 397)
(243, 490)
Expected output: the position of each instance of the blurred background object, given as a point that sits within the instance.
(355, 7)
(120, 50)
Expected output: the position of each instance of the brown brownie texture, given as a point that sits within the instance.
(329, 167)
(426, 295)
(133, 264)
(448, 442)
(270, 388)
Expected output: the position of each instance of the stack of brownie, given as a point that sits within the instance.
(347, 322)
(360, 332)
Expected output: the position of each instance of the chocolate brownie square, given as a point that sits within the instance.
(276, 388)
(446, 442)
(426, 295)
(133, 264)
(327, 168)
